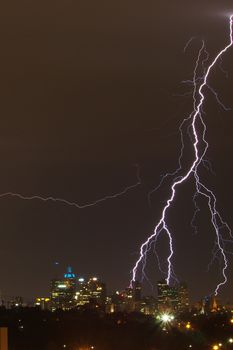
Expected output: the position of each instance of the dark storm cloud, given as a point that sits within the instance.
(87, 90)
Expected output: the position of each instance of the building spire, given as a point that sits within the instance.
(69, 273)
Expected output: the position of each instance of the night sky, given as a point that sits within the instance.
(88, 89)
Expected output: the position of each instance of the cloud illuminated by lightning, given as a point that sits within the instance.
(200, 147)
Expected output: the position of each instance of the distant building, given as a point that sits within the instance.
(172, 298)
(167, 297)
(16, 302)
(109, 305)
(114, 302)
(92, 292)
(210, 304)
(70, 292)
(97, 291)
(120, 301)
(63, 291)
(183, 297)
(43, 303)
(127, 300)
(82, 295)
(137, 291)
(149, 305)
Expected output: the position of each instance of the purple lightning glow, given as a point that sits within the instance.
(75, 204)
(200, 147)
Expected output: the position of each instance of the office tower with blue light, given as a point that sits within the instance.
(63, 291)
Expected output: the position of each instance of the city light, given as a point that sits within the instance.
(215, 347)
(230, 340)
(165, 317)
(62, 286)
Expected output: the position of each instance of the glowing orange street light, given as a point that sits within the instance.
(215, 347)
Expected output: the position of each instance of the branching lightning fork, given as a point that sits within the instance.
(200, 147)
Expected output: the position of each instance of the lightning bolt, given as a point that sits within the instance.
(75, 204)
(200, 147)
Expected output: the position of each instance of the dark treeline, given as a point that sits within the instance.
(33, 329)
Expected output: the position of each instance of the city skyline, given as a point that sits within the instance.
(91, 110)
(76, 286)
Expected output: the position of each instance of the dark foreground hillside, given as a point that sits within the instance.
(32, 329)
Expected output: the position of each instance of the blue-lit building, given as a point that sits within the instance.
(63, 291)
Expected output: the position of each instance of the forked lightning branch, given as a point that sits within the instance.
(200, 147)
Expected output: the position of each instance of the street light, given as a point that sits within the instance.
(215, 347)
(166, 318)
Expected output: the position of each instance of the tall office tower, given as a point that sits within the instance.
(137, 291)
(97, 290)
(82, 295)
(168, 299)
(92, 292)
(63, 291)
(183, 297)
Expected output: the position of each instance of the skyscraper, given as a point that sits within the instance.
(82, 295)
(183, 297)
(97, 291)
(172, 298)
(63, 291)
(92, 292)
(137, 291)
(168, 299)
